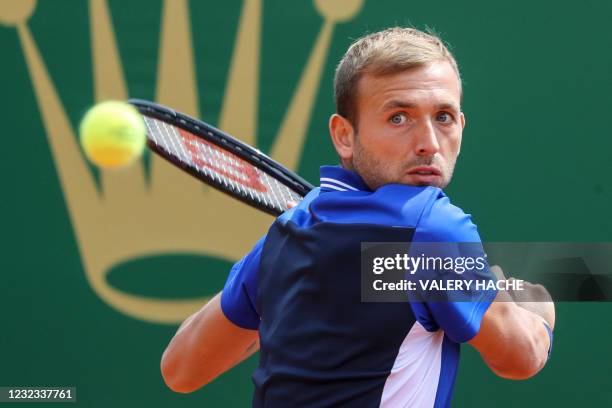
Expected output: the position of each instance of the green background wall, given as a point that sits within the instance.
(535, 166)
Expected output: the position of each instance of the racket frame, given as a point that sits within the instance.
(224, 141)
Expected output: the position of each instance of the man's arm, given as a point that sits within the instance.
(512, 339)
(206, 345)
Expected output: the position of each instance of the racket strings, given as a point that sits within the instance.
(227, 170)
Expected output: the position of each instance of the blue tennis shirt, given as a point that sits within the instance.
(300, 286)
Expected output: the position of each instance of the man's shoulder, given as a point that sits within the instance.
(426, 208)
(443, 221)
(392, 204)
(409, 202)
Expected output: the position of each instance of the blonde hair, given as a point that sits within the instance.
(382, 53)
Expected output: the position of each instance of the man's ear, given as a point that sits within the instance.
(343, 136)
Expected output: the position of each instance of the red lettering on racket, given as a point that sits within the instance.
(225, 159)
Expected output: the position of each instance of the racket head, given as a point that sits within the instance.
(220, 160)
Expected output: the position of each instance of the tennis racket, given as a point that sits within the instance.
(220, 160)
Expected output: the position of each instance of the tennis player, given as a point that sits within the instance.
(297, 295)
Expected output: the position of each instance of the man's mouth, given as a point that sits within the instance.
(425, 175)
(425, 171)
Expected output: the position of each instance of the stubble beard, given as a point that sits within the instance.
(374, 172)
(377, 172)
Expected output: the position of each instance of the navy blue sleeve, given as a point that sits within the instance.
(460, 313)
(240, 290)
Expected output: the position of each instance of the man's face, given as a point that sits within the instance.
(409, 127)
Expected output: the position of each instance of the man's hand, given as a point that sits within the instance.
(512, 339)
(532, 297)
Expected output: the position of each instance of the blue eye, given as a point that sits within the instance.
(398, 119)
(444, 117)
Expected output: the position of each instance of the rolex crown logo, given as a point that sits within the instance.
(112, 222)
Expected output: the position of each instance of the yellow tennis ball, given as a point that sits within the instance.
(112, 134)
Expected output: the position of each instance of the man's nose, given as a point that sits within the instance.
(426, 139)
